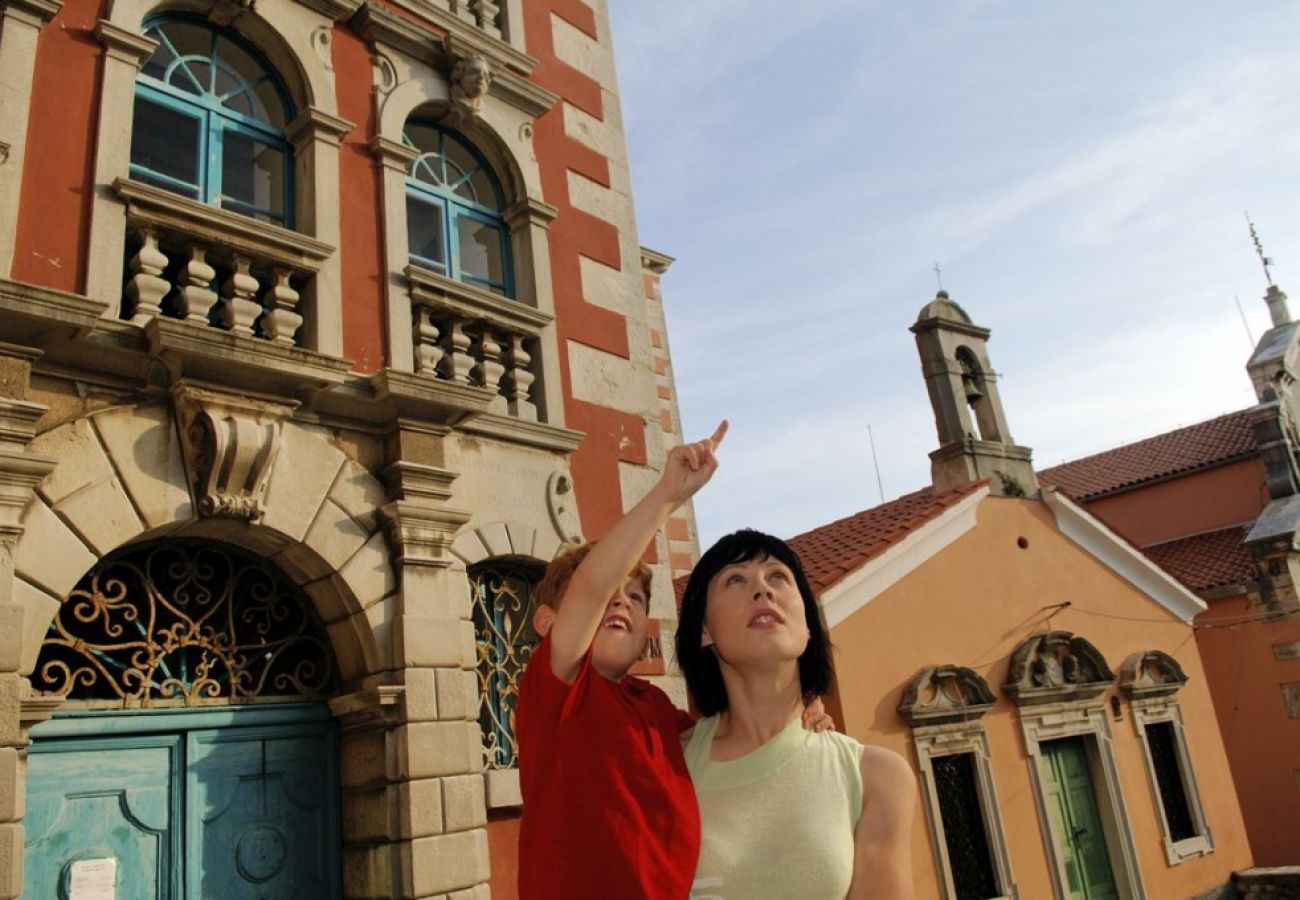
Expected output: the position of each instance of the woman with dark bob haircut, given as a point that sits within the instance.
(784, 812)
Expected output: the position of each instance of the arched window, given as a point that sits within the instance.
(503, 592)
(185, 622)
(209, 124)
(453, 210)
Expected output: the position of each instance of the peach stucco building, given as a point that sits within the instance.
(1040, 672)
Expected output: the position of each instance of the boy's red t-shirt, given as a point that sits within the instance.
(609, 810)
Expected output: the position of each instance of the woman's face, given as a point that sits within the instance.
(754, 615)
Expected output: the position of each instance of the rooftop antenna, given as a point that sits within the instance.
(938, 274)
(875, 462)
(1266, 261)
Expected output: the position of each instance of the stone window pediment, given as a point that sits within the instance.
(1153, 673)
(1057, 667)
(943, 694)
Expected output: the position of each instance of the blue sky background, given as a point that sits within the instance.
(1079, 172)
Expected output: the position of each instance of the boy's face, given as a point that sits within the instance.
(620, 639)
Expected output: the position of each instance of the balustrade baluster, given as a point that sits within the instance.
(146, 288)
(519, 380)
(240, 309)
(281, 321)
(196, 298)
(488, 353)
(457, 362)
(428, 355)
(485, 15)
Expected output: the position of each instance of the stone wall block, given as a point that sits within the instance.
(146, 452)
(39, 608)
(369, 572)
(11, 639)
(368, 872)
(477, 892)
(430, 591)
(457, 694)
(359, 494)
(496, 539)
(49, 554)
(379, 627)
(580, 50)
(335, 535)
(355, 650)
(421, 695)
(363, 759)
(521, 538)
(420, 805)
(11, 859)
(296, 487)
(367, 814)
(434, 749)
(546, 545)
(12, 785)
(434, 641)
(464, 805)
(449, 862)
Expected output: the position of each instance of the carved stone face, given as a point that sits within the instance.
(472, 77)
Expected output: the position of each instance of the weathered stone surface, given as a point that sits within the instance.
(368, 871)
(335, 535)
(84, 486)
(367, 814)
(609, 380)
(420, 805)
(358, 493)
(496, 539)
(12, 786)
(356, 650)
(49, 554)
(11, 859)
(363, 759)
(449, 862)
(463, 804)
(421, 696)
(430, 641)
(304, 471)
(1291, 698)
(39, 608)
(433, 749)
(146, 453)
(457, 694)
(369, 572)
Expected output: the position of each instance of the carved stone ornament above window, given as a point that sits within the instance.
(1153, 673)
(942, 694)
(1057, 667)
(230, 443)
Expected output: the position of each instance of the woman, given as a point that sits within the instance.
(785, 813)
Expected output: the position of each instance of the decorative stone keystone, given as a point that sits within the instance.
(230, 444)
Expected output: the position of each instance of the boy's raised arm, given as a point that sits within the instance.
(687, 469)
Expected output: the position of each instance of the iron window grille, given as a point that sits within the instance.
(504, 600)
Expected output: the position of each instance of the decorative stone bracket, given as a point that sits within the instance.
(943, 694)
(230, 443)
(1057, 667)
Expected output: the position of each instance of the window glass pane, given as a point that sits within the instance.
(1169, 777)
(240, 69)
(252, 173)
(480, 250)
(422, 137)
(461, 162)
(189, 40)
(156, 67)
(484, 193)
(165, 142)
(424, 226)
(963, 827)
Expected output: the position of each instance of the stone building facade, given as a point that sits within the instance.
(323, 325)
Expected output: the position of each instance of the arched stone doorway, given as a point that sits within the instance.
(194, 754)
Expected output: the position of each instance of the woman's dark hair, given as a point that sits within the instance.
(700, 664)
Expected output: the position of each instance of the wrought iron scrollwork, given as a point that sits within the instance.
(185, 622)
(505, 639)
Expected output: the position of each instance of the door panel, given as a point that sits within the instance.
(86, 803)
(1072, 802)
(259, 819)
(194, 812)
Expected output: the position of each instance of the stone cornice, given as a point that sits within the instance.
(431, 289)
(415, 396)
(519, 431)
(380, 26)
(28, 311)
(531, 212)
(392, 154)
(655, 261)
(337, 10)
(34, 12)
(148, 205)
(312, 124)
(124, 45)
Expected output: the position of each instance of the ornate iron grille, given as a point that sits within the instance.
(505, 639)
(963, 827)
(184, 622)
(1169, 777)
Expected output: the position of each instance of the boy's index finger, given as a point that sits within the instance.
(719, 434)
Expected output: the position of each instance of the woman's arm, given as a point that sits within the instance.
(577, 618)
(882, 857)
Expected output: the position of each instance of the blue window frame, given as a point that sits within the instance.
(210, 115)
(453, 210)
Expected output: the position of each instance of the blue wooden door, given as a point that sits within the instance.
(247, 809)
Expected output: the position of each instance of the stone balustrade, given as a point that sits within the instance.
(482, 14)
(466, 335)
(213, 268)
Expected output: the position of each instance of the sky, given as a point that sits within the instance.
(1080, 172)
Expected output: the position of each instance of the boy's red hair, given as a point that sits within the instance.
(560, 571)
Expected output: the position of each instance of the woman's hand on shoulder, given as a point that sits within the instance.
(882, 861)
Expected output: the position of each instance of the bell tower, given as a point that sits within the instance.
(974, 441)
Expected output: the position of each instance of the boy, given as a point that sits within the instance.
(608, 806)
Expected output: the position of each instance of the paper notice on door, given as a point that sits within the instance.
(93, 879)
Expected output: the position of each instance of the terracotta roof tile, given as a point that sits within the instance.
(833, 551)
(1183, 450)
(1205, 561)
